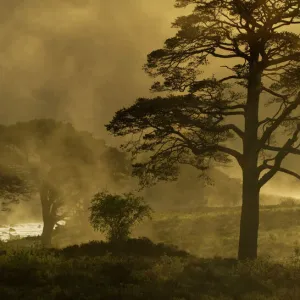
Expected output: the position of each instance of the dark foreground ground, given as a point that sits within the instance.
(140, 269)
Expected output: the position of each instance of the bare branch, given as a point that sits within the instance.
(278, 159)
(269, 131)
(292, 57)
(284, 97)
(229, 78)
(291, 150)
(284, 170)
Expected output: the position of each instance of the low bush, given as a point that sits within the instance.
(76, 272)
(135, 247)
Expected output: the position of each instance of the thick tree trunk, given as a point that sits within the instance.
(250, 206)
(46, 238)
(49, 199)
(249, 216)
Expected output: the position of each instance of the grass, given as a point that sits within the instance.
(140, 269)
(214, 231)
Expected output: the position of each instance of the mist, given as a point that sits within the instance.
(78, 61)
(81, 61)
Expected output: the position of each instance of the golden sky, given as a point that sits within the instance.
(77, 60)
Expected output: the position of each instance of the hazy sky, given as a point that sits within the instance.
(78, 60)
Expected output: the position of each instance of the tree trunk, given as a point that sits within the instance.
(249, 216)
(46, 238)
(49, 199)
(250, 206)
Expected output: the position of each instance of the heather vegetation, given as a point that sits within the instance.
(140, 269)
(190, 256)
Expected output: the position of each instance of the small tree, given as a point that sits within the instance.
(117, 214)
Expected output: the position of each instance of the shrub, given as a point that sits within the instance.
(115, 215)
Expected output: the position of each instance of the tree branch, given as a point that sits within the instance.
(237, 155)
(283, 170)
(235, 129)
(293, 57)
(291, 150)
(278, 159)
(229, 78)
(284, 97)
(267, 134)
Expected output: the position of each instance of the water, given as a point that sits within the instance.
(21, 230)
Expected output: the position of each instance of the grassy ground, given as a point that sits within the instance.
(210, 232)
(215, 231)
(140, 269)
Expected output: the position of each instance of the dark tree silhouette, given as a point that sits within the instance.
(116, 215)
(195, 121)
